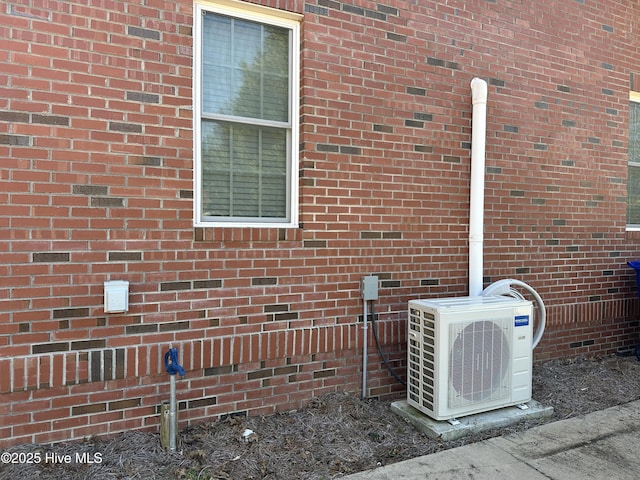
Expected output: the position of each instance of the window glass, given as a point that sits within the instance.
(633, 181)
(245, 68)
(244, 171)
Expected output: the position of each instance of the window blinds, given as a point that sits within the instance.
(245, 124)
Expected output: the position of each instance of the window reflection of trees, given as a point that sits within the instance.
(244, 166)
(633, 179)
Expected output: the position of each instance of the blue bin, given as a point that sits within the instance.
(635, 264)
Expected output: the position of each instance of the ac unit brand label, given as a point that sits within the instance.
(521, 320)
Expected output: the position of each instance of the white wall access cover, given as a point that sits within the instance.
(116, 296)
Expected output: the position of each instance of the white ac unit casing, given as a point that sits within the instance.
(468, 355)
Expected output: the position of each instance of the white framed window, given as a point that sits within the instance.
(246, 103)
(633, 177)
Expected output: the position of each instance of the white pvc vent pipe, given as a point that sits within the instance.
(476, 214)
(476, 195)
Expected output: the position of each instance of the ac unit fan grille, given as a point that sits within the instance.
(479, 363)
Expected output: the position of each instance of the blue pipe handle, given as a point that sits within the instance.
(173, 367)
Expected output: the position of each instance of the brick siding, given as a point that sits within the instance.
(96, 183)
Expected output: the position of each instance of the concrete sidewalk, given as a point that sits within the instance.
(603, 445)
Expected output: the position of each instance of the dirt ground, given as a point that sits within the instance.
(336, 435)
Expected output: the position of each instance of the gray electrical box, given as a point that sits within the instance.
(369, 288)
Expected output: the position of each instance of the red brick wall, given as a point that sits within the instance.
(96, 169)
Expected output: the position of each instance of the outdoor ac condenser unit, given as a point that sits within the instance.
(468, 355)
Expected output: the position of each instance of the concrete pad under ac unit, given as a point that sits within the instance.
(480, 422)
